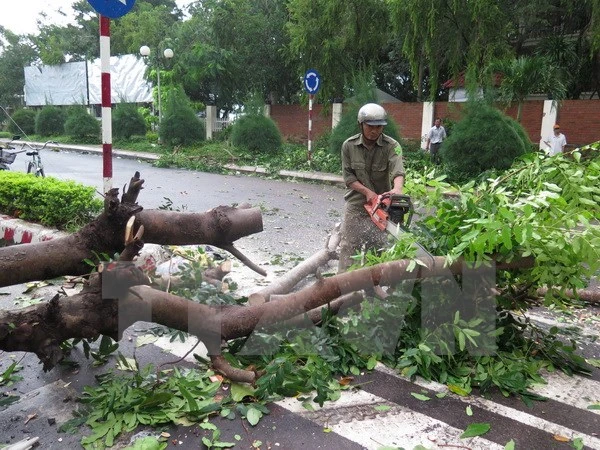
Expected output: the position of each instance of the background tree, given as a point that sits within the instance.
(484, 139)
(81, 125)
(523, 76)
(452, 36)
(336, 37)
(465, 36)
(15, 53)
(180, 126)
(23, 122)
(127, 121)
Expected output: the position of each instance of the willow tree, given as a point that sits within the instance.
(465, 36)
(336, 37)
(450, 35)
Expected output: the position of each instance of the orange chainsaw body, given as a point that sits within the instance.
(396, 209)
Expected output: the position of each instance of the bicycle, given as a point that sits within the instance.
(35, 166)
(7, 157)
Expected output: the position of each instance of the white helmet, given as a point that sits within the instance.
(372, 114)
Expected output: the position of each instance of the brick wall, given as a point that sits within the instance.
(579, 119)
(292, 121)
(408, 117)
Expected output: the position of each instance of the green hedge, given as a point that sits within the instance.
(257, 134)
(48, 201)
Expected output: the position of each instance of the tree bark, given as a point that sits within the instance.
(219, 227)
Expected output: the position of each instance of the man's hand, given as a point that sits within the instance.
(370, 195)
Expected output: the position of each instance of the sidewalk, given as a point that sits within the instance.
(151, 157)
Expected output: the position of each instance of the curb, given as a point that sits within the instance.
(16, 231)
(309, 176)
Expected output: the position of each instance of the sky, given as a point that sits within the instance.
(20, 16)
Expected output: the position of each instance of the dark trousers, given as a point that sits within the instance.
(434, 149)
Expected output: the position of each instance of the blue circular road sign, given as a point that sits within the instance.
(312, 81)
(112, 8)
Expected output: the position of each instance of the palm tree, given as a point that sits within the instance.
(526, 75)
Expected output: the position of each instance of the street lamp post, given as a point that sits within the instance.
(168, 54)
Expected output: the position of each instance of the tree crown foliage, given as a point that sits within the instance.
(23, 121)
(80, 124)
(128, 121)
(225, 49)
(180, 126)
(50, 121)
(484, 139)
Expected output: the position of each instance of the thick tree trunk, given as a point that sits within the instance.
(41, 328)
(219, 227)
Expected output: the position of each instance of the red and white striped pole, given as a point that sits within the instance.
(310, 104)
(106, 103)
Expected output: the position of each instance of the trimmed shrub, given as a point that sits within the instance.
(128, 121)
(80, 124)
(51, 202)
(484, 139)
(256, 133)
(50, 121)
(25, 119)
(180, 126)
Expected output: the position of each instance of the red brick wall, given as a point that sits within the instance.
(531, 117)
(579, 119)
(292, 121)
(408, 117)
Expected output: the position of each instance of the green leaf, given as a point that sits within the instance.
(510, 445)
(461, 341)
(594, 406)
(371, 363)
(145, 340)
(192, 404)
(421, 397)
(240, 391)
(221, 444)
(154, 400)
(469, 411)
(382, 408)
(147, 443)
(475, 429)
(253, 416)
(458, 390)
(594, 362)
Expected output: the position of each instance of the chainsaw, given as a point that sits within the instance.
(393, 213)
(390, 212)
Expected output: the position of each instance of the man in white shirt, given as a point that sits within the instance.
(556, 143)
(434, 140)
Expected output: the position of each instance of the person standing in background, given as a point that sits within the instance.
(435, 137)
(557, 142)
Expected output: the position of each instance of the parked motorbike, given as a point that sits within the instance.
(8, 153)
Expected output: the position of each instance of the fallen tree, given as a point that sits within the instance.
(496, 230)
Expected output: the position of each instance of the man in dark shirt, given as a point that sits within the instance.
(371, 165)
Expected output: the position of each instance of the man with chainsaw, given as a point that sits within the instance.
(371, 166)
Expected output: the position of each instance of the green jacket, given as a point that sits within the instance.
(376, 168)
